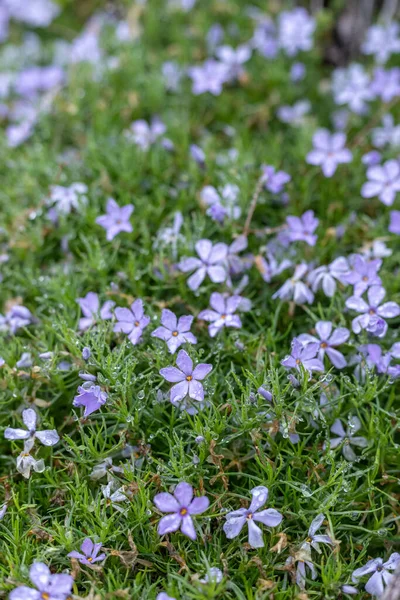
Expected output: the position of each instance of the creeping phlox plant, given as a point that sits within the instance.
(200, 288)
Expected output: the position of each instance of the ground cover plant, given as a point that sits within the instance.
(199, 300)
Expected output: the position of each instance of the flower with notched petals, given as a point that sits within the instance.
(211, 262)
(180, 506)
(89, 553)
(186, 378)
(48, 586)
(329, 151)
(131, 321)
(373, 313)
(328, 341)
(222, 313)
(380, 571)
(303, 355)
(173, 331)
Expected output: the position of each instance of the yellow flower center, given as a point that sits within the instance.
(174, 333)
(189, 378)
(183, 512)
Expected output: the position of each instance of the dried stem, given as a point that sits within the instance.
(253, 205)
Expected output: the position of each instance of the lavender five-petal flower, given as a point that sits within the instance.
(394, 226)
(329, 151)
(302, 228)
(90, 306)
(381, 575)
(186, 378)
(347, 438)
(313, 540)
(116, 219)
(303, 355)
(48, 437)
(326, 276)
(131, 321)
(173, 331)
(363, 273)
(296, 289)
(373, 313)
(49, 586)
(236, 519)
(383, 181)
(89, 553)
(328, 341)
(274, 181)
(222, 313)
(91, 397)
(180, 506)
(211, 262)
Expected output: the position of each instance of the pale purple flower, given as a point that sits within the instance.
(296, 289)
(48, 437)
(25, 362)
(32, 81)
(386, 84)
(222, 313)
(270, 268)
(373, 313)
(388, 134)
(303, 560)
(384, 182)
(3, 510)
(264, 38)
(303, 355)
(18, 133)
(104, 468)
(86, 353)
(144, 135)
(213, 575)
(265, 393)
(328, 341)
(49, 586)
(312, 540)
(85, 48)
(377, 249)
(89, 553)
(325, 277)
(186, 378)
(381, 575)
(295, 31)
(170, 236)
(274, 181)
(116, 219)
(91, 397)
(371, 158)
(363, 273)
(172, 74)
(26, 462)
(180, 506)
(209, 77)
(236, 519)
(294, 115)
(164, 596)
(131, 321)
(302, 228)
(346, 438)
(211, 262)
(17, 317)
(90, 306)
(382, 41)
(350, 590)
(65, 199)
(297, 71)
(214, 37)
(197, 154)
(233, 59)
(223, 204)
(351, 86)
(173, 331)
(113, 498)
(329, 151)
(394, 226)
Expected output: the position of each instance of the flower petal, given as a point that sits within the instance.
(166, 502)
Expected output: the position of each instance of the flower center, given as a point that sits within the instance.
(223, 316)
(298, 361)
(365, 278)
(174, 333)
(379, 569)
(371, 311)
(90, 559)
(324, 345)
(309, 540)
(183, 512)
(249, 515)
(137, 323)
(189, 378)
(45, 596)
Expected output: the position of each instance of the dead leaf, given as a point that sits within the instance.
(281, 544)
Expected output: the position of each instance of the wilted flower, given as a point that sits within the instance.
(173, 331)
(328, 341)
(373, 313)
(90, 306)
(329, 151)
(89, 553)
(181, 506)
(312, 540)
(213, 575)
(48, 586)
(236, 520)
(113, 499)
(296, 289)
(384, 182)
(347, 438)
(132, 321)
(106, 467)
(186, 378)
(211, 262)
(381, 576)
(48, 437)
(223, 313)
(116, 219)
(302, 228)
(91, 397)
(170, 236)
(303, 355)
(26, 462)
(270, 267)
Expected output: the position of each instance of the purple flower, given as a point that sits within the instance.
(48, 437)
(371, 158)
(91, 397)
(236, 519)
(145, 135)
(363, 274)
(394, 226)
(347, 438)
(381, 576)
(303, 355)
(326, 276)
(264, 38)
(222, 314)
(198, 155)
(373, 315)
(384, 182)
(295, 31)
(351, 86)
(382, 41)
(270, 268)
(274, 181)
(66, 199)
(313, 540)
(209, 77)
(90, 307)
(164, 596)
(297, 71)
(387, 135)
(295, 288)
(329, 151)
(294, 114)
(328, 341)
(16, 318)
(49, 586)
(211, 262)
(180, 506)
(350, 589)
(265, 393)
(116, 219)
(233, 59)
(386, 84)
(89, 553)
(221, 205)
(174, 332)
(113, 498)
(26, 462)
(131, 321)
(186, 378)
(302, 228)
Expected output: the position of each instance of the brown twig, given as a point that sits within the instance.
(253, 205)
